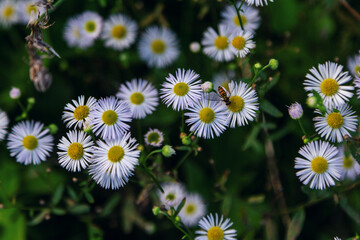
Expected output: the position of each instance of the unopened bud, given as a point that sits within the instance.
(53, 128)
(295, 111)
(207, 86)
(311, 102)
(156, 210)
(274, 64)
(186, 140)
(195, 47)
(167, 151)
(15, 93)
(177, 219)
(257, 65)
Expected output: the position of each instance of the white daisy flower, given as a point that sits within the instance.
(182, 90)
(154, 137)
(114, 161)
(357, 85)
(119, 32)
(243, 104)
(258, 2)
(158, 47)
(319, 165)
(328, 82)
(29, 142)
(26, 7)
(207, 118)
(4, 122)
(141, 96)
(354, 65)
(8, 13)
(336, 123)
(77, 113)
(250, 18)
(193, 210)
(213, 228)
(110, 117)
(91, 24)
(75, 151)
(74, 36)
(173, 194)
(241, 43)
(217, 46)
(223, 79)
(351, 168)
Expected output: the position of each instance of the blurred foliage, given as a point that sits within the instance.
(231, 173)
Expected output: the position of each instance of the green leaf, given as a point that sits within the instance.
(59, 211)
(80, 209)
(181, 205)
(72, 193)
(296, 225)
(57, 195)
(39, 218)
(110, 205)
(12, 225)
(349, 210)
(270, 109)
(102, 3)
(89, 197)
(252, 136)
(95, 233)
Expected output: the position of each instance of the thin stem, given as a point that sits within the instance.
(351, 10)
(148, 172)
(257, 74)
(143, 162)
(178, 227)
(302, 127)
(21, 106)
(238, 13)
(182, 121)
(183, 159)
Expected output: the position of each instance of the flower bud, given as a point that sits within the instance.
(207, 86)
(15, 93)
(295, 111)
(156, 210)
(186, 140)
(53, 128)
(167, 151)
(311, 102)
(274, 64)
(195, 47)
(177, 219)
(257, 65)
(87, 126)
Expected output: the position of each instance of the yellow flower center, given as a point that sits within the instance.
(207, 115)
(30, 142)
(319, 165)
(243, 20)
(31, 8)
(237, 104)
(335, 120)
(137, 98)
(238, 42)
(357, 70)
(190, 209)
(8, 12)
(153, 137)
(90, 26)
(221, 42)
(81, 112)
(181, 89)
(170, 197)
(158, 46)
(109, 117)
(76, 151)
(115, 154)
(329, 87)
(215, 233)
(348, 162)
(118, 31)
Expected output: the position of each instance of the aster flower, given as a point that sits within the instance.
(217, 45)
(213, 228)
(193, 210)
(241, 43)
(114, 161)
(4, 122)
(158, 47)
(319, 165)
(154, 137)
(223, 79)
(182, 90)
(328, 80)
(91, 24)
(8, 13)
(29, 142)
(207, 118)
(77, 113)
(351, 168)
(141, 96)
(173, 194)
(119, 32)
(336, 123)
(357, 85)
(258, 2)
(354, 65)
(250, 18)
(244, 104)
(26, 7)
(75, 151)
(74, 36)
(110, 117)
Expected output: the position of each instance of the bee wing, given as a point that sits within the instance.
(213, 97)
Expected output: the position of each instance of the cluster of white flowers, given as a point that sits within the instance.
(322, 163)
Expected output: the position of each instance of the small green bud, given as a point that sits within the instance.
(31, 100)
(167, 151)
(311, 102)
(257, 66)
(274, 64)
(232, 66)
(177, 219)
(53, 128)
(124, 59)
(306, 140)
(156, 210)
(186, 140)
(140, 148)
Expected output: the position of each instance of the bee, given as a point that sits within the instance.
(222, 95)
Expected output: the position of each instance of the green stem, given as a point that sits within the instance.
(178, 227)
(182, 121)
(56, 5)
(183, 159)
(257, 74)
(21, 106)
(238, 13)
(302, 127)
(139, 132)
(143, 162)
(148, 172)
